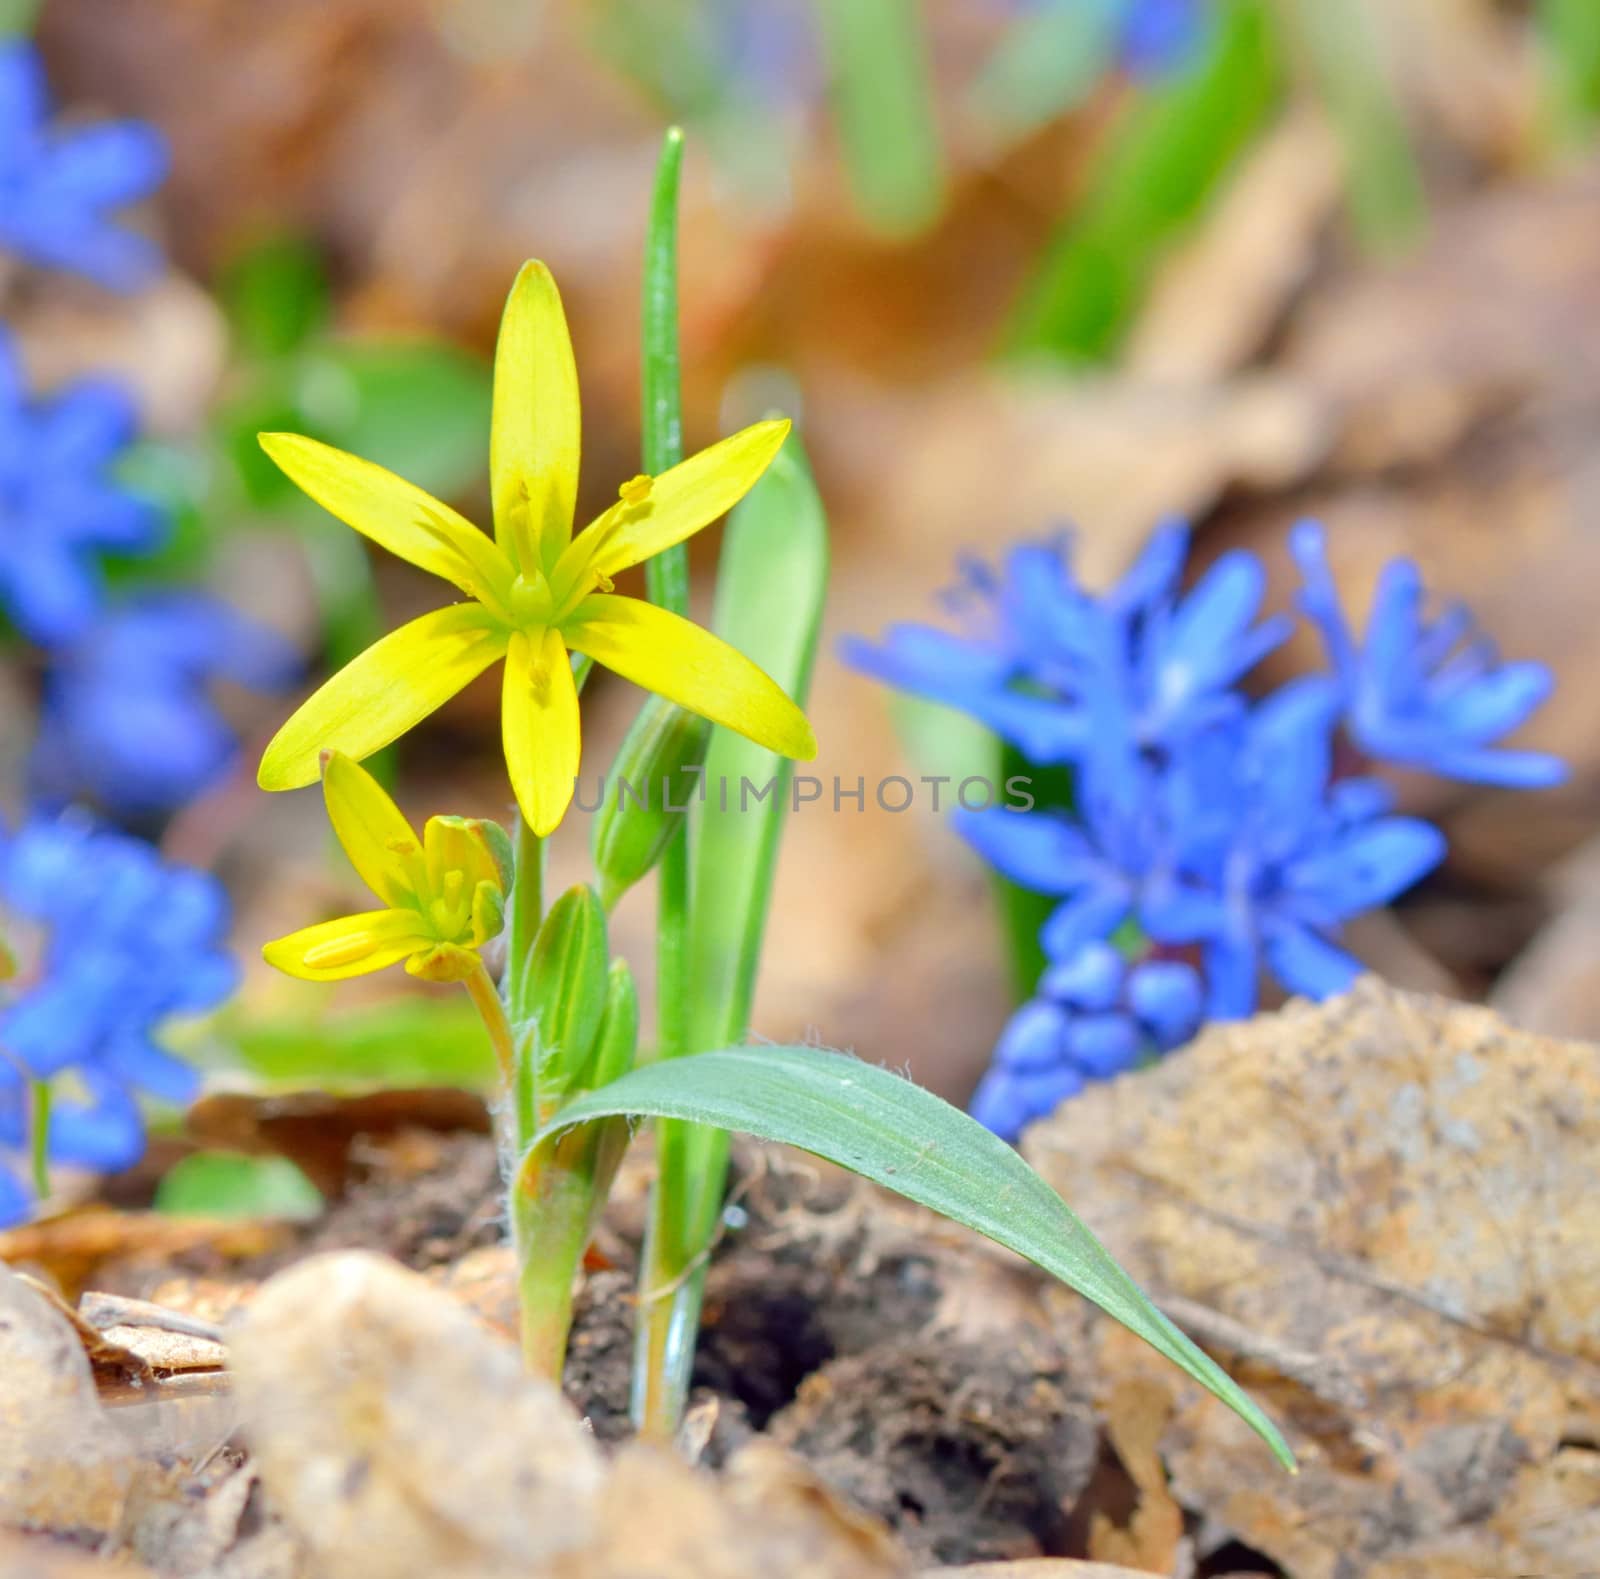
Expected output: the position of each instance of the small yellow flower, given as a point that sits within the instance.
(536, 590)
(444, 895)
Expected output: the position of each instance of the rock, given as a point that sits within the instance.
(61, 1467)
(399, 1438)
(1380, 1209)
(769, 1516)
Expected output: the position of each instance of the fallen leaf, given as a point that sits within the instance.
(1379, 1210)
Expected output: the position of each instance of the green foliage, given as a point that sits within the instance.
(1049, 61)
(1570, 33)
(275, 297)
(900, 1136)
(1169, 153)
(228, 1184)
(771, 585)
(1381, 176)
(415, 1041)
(653, 781)
(883, 108)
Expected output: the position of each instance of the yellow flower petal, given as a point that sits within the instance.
(350, 946)
(378, 696)
(539, 715)
(690, 496)
(534, 440)
(393, 512)
(687, 665)
(370, 827)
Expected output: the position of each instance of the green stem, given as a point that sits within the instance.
(657, 1348)
(41, 1138)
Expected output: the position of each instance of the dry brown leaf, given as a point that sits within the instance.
(1389, 1199)
(74, 1248)
(315, 1129)
(1136, 1414)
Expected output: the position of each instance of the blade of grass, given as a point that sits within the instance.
(1343, 56)
(883, 106)
(1166, 156)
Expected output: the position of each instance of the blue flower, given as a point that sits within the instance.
(60, 505)
(1160, 36)
(1428, 695)
(129, 722)
(59, 185)
(1288, 856)
(1042, 653)
(127, 943)
(1235, 843)
(1095, 1017)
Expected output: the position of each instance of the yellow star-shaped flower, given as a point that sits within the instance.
(536, 590)
(444, 894)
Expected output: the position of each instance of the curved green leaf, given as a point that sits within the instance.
(895, 1133)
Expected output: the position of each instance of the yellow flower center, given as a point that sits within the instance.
(530, 601)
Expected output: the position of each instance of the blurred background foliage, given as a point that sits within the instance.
(1012, 263)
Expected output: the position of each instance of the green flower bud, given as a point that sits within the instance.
(570, 986)
(654, 780)
(617, 1043)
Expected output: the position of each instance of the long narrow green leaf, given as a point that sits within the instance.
(1168, 154)
(895, 1133)
(771, 584)
(882, 99)
(1386, 196)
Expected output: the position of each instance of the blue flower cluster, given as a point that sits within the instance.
(59, 185)
(129, 723)
(1210, 836)
(125, 942)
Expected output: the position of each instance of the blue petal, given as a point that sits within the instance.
(51, 594)
(927, 661)
(105, 165)
(1039, 850)
(106, 1136)
(1000, 1104)
(1524, 770)
(1365, 868)
(1094, 914)
(1394, 627)
(1090, 979)
(1231, 972)
(1307, 963)
(1319, 598)
(1496, 704)
(1103, 1046)
(1153, 576)
(16, 1201)
(86, 424)
(1168, 999)
(24, 95)
(1032, 1038)
(139, 1063)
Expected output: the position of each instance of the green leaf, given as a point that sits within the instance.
(414, 1041)
(1570, 33)
(421, 408)
(771, 585)
(882, 97)
(228, 1184)
(1381, 174)
(275, 296)
(898, 1135)
(1170, 152)
(1049, 61)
